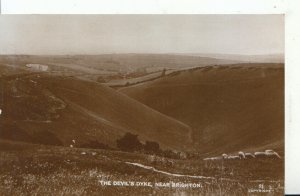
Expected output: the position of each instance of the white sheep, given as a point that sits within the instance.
(213, 158)
(242, 155)
(217, 158)
(233, 157)
(267, 153)
(225, 156)
(272, 153)
(83, 153)
(71, 146)
(248, 155)
(73, 141)
(259, 154)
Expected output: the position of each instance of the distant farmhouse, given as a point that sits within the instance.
(37, 67)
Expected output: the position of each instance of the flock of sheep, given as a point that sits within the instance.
(241, 155)
(246, 155)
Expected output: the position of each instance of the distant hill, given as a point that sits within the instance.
(206, 108)
(115, 62)
(229, 108)
(41, 108)
(271, 58)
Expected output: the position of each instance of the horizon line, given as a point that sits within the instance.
(168, 53)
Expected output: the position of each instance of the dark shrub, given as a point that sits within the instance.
(151, 147)
(129, 142)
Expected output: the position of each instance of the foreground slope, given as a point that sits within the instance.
(28, 169)
(230, 108)
(45, 109)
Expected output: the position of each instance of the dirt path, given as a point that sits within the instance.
(167, 173)
(150, 168)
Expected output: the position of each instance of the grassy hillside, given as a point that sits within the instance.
(229, 108)
(45, 109)
(28, 169)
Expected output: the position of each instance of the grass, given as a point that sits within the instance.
(228, 108)
(47, 170)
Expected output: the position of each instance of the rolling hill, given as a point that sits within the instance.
(270, 58)
(114, 62)
(47, 109)
(230, 108)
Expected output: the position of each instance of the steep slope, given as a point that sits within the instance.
(230, 108)
(57, 110)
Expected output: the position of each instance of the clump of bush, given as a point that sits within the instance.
(152, 147)
(130, 143)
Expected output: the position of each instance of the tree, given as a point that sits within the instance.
(129, 142)
(151, 147)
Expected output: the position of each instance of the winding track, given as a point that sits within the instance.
(167, 173)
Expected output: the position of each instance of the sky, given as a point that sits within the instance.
(102, 34)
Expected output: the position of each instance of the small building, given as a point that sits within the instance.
(37, 67)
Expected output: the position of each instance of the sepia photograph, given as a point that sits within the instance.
(142, 104)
